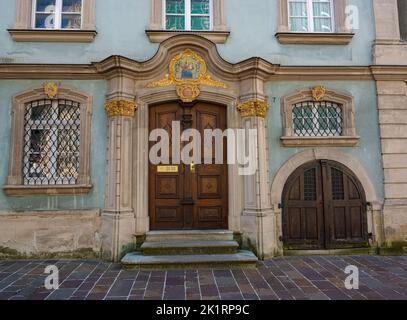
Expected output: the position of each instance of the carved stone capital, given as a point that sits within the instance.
(122, 108)
(253, 108)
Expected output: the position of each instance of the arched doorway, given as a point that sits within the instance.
(182, 196)
(324, 207)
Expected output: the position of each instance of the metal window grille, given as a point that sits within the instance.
(310, 185)
(317, 119)
(338, 192)
(51, 142)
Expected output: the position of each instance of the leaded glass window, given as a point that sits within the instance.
(194, 15)
(311, 15)
(317, 119)
(57, 14)
(51, 142)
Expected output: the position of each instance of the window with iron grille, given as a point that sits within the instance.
(51, 142)
(317, 119)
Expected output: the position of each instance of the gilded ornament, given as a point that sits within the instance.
(51, 90)
(253, 108)
(120, 108)
(187, 71)
(318, 93)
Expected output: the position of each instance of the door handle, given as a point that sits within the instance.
(192, 167)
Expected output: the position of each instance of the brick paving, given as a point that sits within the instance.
(287, 278)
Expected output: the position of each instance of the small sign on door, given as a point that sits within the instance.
(167, 169)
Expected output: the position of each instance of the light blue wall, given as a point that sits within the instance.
(98, 150)
(121, 29)
(366, 116)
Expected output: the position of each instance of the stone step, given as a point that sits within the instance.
(189, 235)
(331, 252)
(189, 247)
(240, 259)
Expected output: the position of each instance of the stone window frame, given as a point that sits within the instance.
(157, 33)
(340, 36)
(15, 185)
(349, 137)
(23, 30)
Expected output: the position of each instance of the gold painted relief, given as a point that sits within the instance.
(187, 71)
(51, 90)
(318, 93)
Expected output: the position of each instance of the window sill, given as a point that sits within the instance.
(314, 38)
(157, 36)
(18, 191)
(343, 141)
(33, 35)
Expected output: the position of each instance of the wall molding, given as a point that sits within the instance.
(314, 38)
(158, 36)
(33, 35)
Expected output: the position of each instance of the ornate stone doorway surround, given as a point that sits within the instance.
(374, 208)
(128, 99)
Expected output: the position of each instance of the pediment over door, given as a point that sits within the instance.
(187, 64)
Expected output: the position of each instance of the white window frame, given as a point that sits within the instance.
(310, 16)
(188, 16)
(58, 16)
(53, 154)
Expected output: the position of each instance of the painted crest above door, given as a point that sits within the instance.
(187, 71)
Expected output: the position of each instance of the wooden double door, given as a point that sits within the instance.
(324, 207)
(188, 196)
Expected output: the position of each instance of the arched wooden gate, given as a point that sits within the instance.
(324, 207)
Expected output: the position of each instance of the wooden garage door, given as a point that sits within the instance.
(324, 207)
(192, 197)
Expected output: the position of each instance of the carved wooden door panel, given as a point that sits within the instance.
(165, 188)
(344, 207)
(303, 216)
(191, 197)
(324, 207)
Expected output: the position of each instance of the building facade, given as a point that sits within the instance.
(83, 83)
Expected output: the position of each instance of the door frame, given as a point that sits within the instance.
(325, 241)
(187, 203)
(141, 148)
(375, 204)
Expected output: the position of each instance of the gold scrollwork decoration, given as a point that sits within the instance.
(253, 108)
(318, 93)
(187, 71)
(51, 90)
(123, 108)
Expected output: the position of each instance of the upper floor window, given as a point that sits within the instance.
(57, 14)
(190, 15)
(311, 15)
(54, 21)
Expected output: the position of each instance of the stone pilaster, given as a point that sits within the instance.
(258, 221)
(392, 97)
(118, 220)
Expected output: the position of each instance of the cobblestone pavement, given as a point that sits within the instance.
(280, 278)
